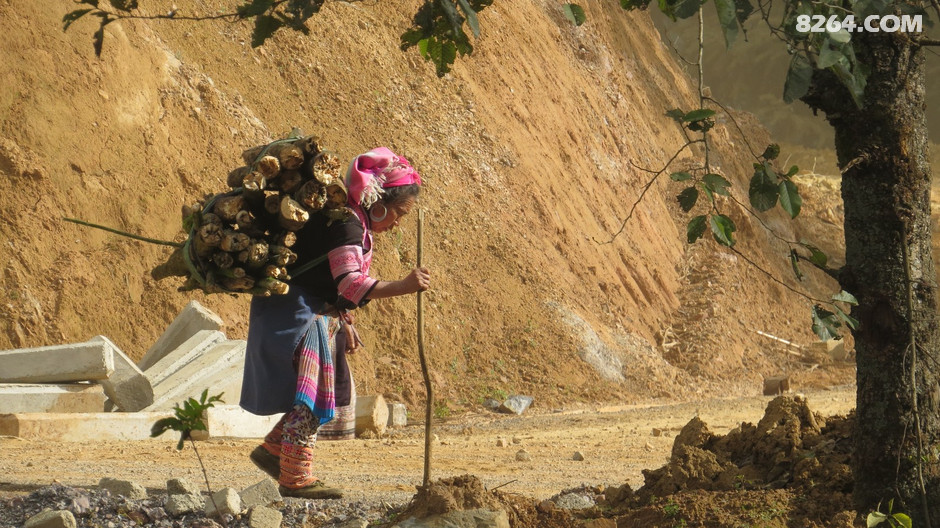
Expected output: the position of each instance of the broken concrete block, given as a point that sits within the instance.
(397, 415)
(181, 486)
(371, 414)
(191, 319)
(177, 505)
(127, 387)
(231, 421)
(128, 489)
(64, 398)
(51, 519)
(263, 493)
(81, 427)
(264, 517)
(192, 368)
(776, 385)
(224, 502)
(182, 355)
(57, 363)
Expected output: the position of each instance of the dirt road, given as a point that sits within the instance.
(617, 442)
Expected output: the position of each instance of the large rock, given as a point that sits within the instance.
(516, 404)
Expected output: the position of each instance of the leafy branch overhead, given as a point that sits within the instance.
(438, 28)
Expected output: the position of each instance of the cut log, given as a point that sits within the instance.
(268, 166)
(239, 284)
(293, 216)
(289, 181)
(310, 145)
(273, 285)
(286, 239)
(226, 207)
(290, 156)
(223, 260)
(249, 156)
(371, 414)
(281, 256)
(335, 196)
(254, 181)
(233, 241)
(312, 195)
(257, 254)
(236, 178)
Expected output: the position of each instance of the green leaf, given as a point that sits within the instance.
(680, 176)
(575, 14)
(875, 518)
(846, 297)
(728, 18)
(799, 76)
(817, 257)
(771, 152)
(825, 324)
(685, 8)
(849, 321)
(717, 183)
(687, 198)
(829, 57)
(795, 264)
(763, 190)
(265, 26)
(722, 229)
(72, 17)
(790, 198)
(842, 36)
(695, 229)
(903, 520)
(630, 5)
(163, 425)
(743, 10)
(471, 17)
(792, 172)
(697, 115)
(450, 12)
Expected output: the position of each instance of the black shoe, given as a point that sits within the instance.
(317, 490)
(266, 462)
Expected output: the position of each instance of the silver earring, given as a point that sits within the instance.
(378, 219)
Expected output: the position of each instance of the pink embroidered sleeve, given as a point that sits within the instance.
(348, 268)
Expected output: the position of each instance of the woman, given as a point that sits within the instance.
(295, 363)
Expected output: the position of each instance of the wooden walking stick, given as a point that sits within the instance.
(424, 366)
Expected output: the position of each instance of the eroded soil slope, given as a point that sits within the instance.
(534, 151)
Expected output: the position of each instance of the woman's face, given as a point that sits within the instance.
(395, 212)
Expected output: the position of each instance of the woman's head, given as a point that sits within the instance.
(383, 184)
(395, 203)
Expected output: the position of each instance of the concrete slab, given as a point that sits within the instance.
(231, 421)
(187, 352)
(65, 398)
(57, 363)
(191, 319)
(83, 427)
(127, 388)
(198, 374)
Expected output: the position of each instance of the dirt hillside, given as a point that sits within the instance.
(529, 149)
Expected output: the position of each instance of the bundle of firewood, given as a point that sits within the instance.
(240, 241)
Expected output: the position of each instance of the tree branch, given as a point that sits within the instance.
(656, 174)
(775, 279)
(927, 42)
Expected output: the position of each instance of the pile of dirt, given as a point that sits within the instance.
(791, 469)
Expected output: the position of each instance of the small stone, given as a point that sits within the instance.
(657, 431)
(546, 506)
(579, 456)
(516, 404)
(500, 442)
(226, 500)
(491, 404)
(263, 493)
(177, 505)
(516, 440)
(523, 456)
(181, 486)
(128, 489)
(264, 517)
(51, 519)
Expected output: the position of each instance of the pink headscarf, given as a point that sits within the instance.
(378, 169)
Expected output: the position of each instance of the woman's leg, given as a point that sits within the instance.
(296, 450)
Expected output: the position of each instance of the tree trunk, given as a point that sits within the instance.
(882, 151)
